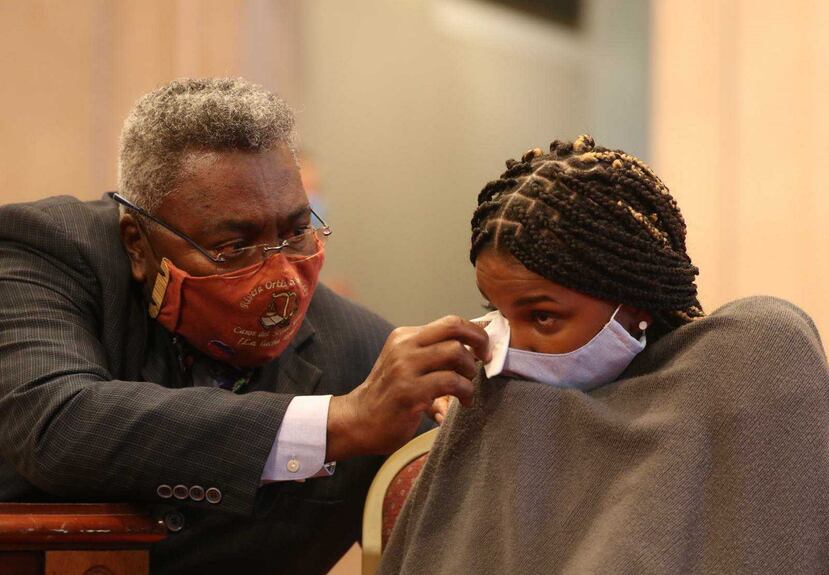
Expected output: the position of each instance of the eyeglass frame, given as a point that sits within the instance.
(220, 259)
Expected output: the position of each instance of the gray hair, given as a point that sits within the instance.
(212, 114)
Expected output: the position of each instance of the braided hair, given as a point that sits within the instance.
(596, 221)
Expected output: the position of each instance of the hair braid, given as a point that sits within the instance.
(595, 220)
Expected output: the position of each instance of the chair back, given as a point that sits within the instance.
(387, 494)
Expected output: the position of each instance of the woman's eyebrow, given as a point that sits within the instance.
(530, 300)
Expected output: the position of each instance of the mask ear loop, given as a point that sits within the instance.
(159, 289)
(162, 277)
(643, 325)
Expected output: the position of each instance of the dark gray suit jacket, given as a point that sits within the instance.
(93, 406)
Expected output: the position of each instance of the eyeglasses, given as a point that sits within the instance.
(305, 244)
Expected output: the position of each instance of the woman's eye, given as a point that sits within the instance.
(543, 318)
(302, 229)
(488, 306)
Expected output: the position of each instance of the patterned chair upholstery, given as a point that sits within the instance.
(387, 495)
(397, 493)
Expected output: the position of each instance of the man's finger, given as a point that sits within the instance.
(440, 383)
(447, 355)
(454, 327)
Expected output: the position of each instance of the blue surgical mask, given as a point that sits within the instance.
(599, 361)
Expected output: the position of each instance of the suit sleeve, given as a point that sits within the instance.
(74, 431)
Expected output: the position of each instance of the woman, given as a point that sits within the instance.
(618, 429)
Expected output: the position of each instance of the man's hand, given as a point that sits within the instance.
(416, 366)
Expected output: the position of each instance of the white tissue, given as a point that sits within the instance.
(497, 328)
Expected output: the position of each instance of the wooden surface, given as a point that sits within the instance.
(21, 562)
(96, 562)
(28, 526)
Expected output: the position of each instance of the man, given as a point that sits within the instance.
(180, 352)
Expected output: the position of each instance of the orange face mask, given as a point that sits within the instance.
(244, 318)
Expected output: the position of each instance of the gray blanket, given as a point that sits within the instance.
(709, 455)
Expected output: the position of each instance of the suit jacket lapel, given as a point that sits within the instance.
(160, 360)
(291, 372)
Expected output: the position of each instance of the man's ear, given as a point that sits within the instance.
(132, 236)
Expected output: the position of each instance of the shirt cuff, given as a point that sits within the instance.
(299, 450)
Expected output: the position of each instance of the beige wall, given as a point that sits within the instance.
(739, 134)
(410, 107)
(428, 103)
(72, 71)
(407, 107)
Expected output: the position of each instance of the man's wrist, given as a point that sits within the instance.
(343, 440)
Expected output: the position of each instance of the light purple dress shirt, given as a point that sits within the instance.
(299, 450)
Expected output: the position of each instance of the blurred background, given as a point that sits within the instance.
(407, 108)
